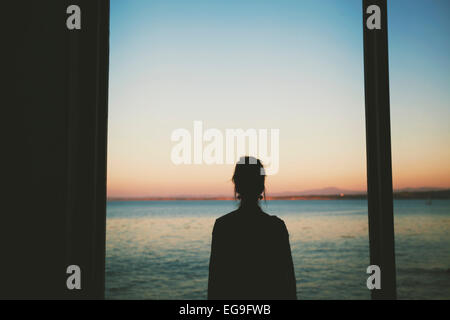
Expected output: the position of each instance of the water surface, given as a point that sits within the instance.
(160, 249)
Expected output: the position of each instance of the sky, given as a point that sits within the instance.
(296, 66)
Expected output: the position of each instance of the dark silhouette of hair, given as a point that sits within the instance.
(249, 178)
(250, 251)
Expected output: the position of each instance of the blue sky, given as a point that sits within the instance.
(419, 46)
(292, 65)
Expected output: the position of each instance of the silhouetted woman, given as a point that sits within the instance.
(250, 251)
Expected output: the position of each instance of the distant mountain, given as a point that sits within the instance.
(323, 193)
(421, 189)
(336, 191)
(315, 192)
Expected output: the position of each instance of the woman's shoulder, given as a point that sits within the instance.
(277, 221)
(227, 217)
(236, 214)
(224, 221)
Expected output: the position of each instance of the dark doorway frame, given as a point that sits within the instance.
(378, 151)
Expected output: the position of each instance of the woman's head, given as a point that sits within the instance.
(248, 179)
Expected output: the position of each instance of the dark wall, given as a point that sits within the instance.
(56, 104)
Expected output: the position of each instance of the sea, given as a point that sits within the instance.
(161, 249)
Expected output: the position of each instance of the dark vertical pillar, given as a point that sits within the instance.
(86, 146)
(378, 144)
(58, 83)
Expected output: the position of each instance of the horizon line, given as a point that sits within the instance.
(403, 192)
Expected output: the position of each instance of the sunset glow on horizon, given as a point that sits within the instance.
(296, 66)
